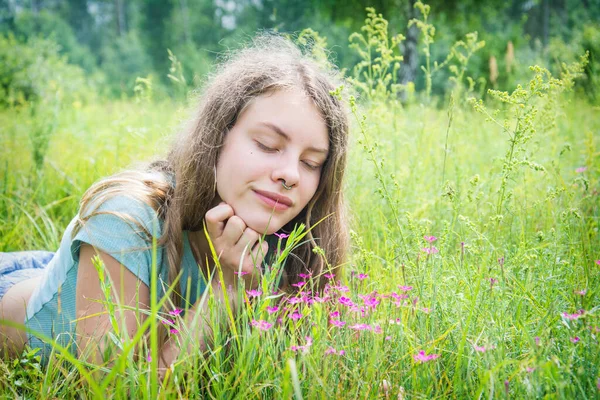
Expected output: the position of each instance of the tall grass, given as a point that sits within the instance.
(474, 270)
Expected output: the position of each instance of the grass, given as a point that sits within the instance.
(493, 301)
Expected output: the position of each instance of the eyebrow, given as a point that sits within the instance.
(281, 133)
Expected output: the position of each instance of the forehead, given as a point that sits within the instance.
(293, 112)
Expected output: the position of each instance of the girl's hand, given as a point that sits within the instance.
(235, 243)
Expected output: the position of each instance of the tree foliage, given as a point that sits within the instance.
(126, 39)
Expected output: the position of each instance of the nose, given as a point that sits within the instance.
(287, 169)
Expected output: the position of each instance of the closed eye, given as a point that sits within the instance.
(311, 166)
(264, 147)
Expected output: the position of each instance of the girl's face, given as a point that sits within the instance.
(279, 136)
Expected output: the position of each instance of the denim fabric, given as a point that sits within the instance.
(18, 266)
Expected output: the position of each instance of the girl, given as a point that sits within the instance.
(265, 152)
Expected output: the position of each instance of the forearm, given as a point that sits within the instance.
(199, 323)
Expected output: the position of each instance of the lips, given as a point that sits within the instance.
(274, 200)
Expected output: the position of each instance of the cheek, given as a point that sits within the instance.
(311, 188)
(239, 166)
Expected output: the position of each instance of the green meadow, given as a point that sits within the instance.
(475, 252)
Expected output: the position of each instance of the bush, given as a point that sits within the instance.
(34, 72)
(587, 39)
(28, 25)
(123, 61)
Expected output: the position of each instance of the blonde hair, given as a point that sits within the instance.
(270, 64)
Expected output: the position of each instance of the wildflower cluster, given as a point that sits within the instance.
(522, 103)
(376, 74)
(344, 310)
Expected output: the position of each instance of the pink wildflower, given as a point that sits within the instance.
(362, 276)
(176, 311)
(149, 358)
(362, 310)
(572, 317)
(333, 351)
(388, 338)
(304, 347)
(421, 357)
(334, 314)
(273, 309)
(371, 302)
(430, 250)
(581, 169)
(575, 339)
(399, 296)
(405, 288)
(430, 239)
(377, 329)
(305, 276)
(529, 369)
(296, 316)
(282, 235)
(483, 349)
(598, 262)
(581, 292)
(345, 301)
(318, 299)
(329, 276)
(241, 273)
(398, 303)
(173, 331)
(295, 300)
(253, 293)
(168, 322)
(262, 325)
(361, 327)
(343, 288)
(537, 340)
(426, 310)
(337, 323)
(299, 284)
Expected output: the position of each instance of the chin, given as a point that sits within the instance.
(261, 224)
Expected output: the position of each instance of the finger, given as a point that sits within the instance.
(248, 238)
(234, 229)
(215, 219)
(252, 259)
(259, 253)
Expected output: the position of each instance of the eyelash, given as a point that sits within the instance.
(266, 148)
(272, 150)
(311, 167)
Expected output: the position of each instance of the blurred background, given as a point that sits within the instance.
(104, 46)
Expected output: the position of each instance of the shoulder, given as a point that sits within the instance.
(120, 217)
(120, 212)
(116, 223)
(124, 206)
(132, 196)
